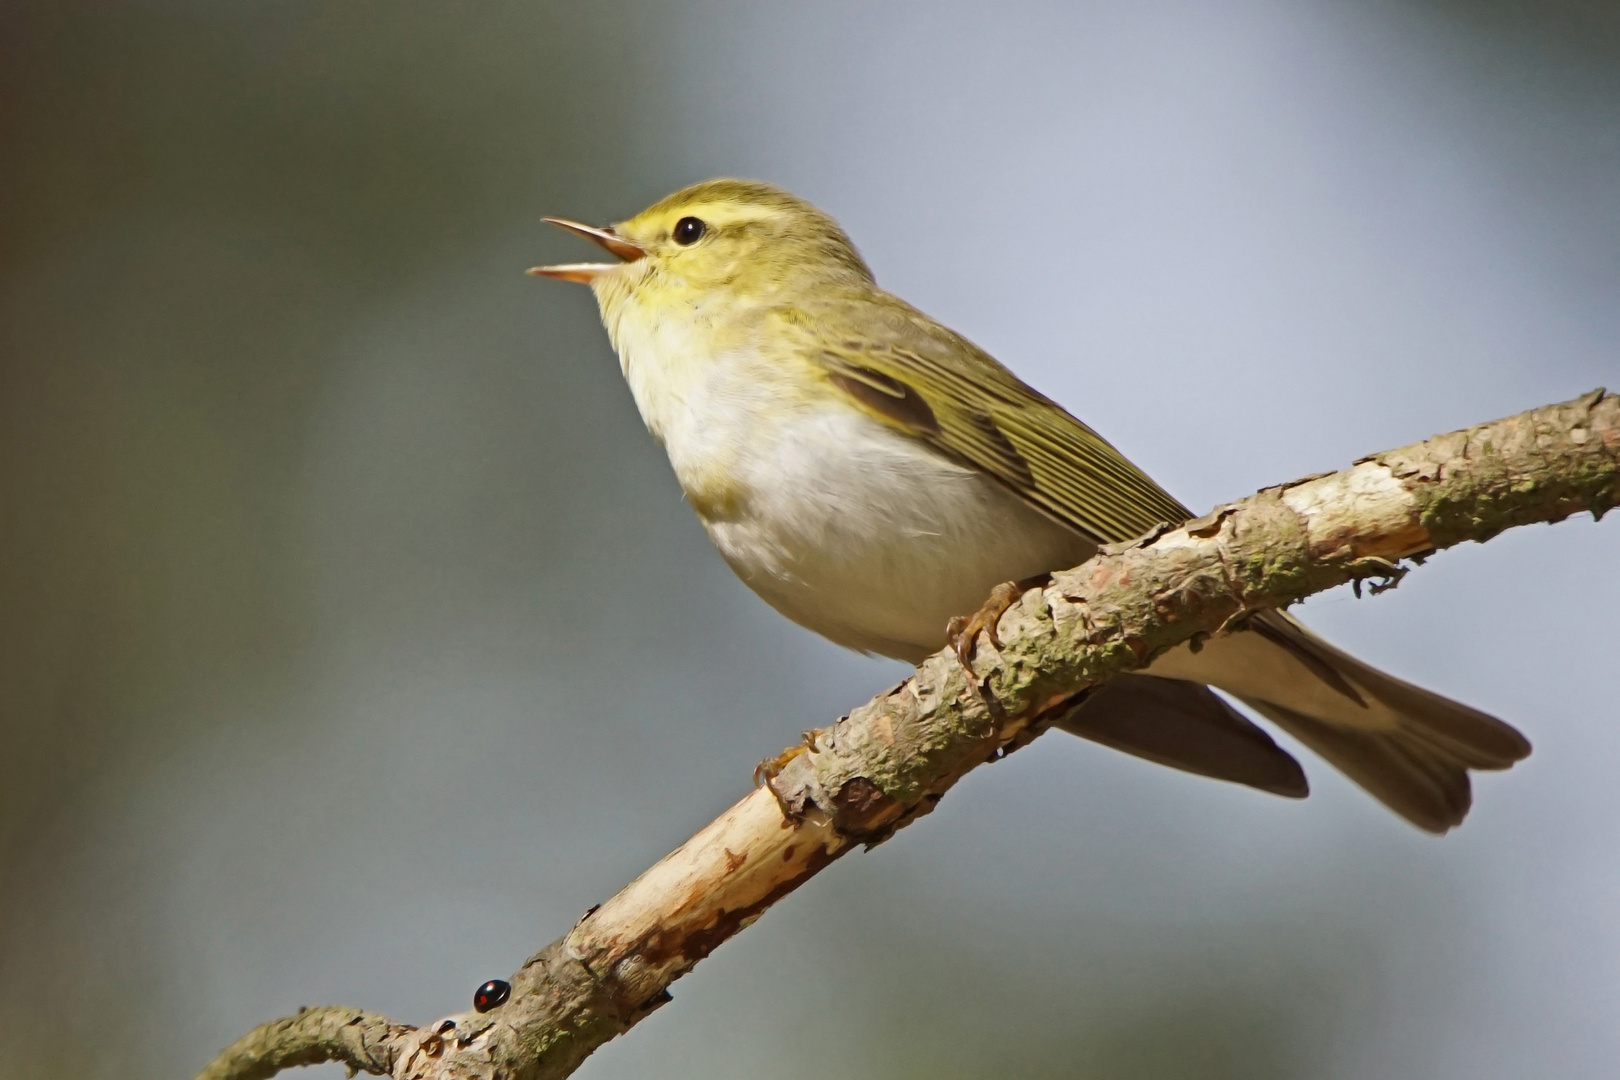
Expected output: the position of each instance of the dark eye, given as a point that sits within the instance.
(688, 230)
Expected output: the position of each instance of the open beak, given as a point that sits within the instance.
(585, 273)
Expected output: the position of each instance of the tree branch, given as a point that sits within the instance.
(892, 759)
(363, 1041)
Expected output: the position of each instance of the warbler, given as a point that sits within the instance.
(873, 475)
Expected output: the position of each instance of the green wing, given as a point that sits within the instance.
(935, 385)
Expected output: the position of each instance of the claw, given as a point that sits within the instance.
(962, 634)
(772, 767)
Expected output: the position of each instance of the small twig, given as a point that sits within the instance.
(363, 1041)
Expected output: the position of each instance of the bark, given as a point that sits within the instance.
(363, 1041)
(893, 758)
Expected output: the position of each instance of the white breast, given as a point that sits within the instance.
(841, 523)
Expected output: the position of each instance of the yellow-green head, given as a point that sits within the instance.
(740, 239)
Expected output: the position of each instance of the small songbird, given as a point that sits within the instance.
(873, 476)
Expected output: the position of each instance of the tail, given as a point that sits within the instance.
(1407, 747)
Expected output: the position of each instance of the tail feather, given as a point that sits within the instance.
(1429, 788)
(1477, 739)
(1409, 748)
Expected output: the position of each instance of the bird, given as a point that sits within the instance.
(873, 476)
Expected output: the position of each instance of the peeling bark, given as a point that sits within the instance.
(892, 759)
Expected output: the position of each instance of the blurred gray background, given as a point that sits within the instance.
(354, 637)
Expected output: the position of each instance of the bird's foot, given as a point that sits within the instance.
(962, 634)
(772, 767)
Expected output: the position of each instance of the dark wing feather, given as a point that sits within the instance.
(1187, 726)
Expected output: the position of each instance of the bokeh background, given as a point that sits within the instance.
(354, 637)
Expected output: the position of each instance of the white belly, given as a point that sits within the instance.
(873, 540)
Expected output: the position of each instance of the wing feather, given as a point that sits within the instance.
(922, 378)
